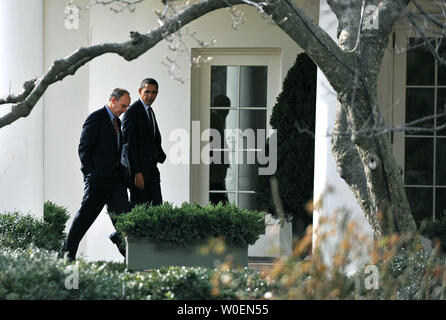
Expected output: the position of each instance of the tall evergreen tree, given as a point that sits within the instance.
(294, 118)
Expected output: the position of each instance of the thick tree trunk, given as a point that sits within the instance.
(365, 161)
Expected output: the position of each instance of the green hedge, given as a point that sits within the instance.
(20, 231)
(56, 217)
(39, 274)
(436, 231)
(191, 223)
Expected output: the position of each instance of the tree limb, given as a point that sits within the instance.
(129, 50)
(348, 13)
(335, 63)
(28, 86)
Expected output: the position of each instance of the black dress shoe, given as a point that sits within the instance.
(64, 253)
(114, 237)
(117, 239)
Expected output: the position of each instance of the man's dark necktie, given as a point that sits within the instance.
(152, 119)
(115, 125)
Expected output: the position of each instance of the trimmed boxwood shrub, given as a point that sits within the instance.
(56, 217)
(192, 223)
(20, 231)
(39, 274)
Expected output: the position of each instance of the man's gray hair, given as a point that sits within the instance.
(118, 93)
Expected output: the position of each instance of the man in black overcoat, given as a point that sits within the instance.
(142, 149)
(104, 176)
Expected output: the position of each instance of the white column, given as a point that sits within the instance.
(21, 143)
(341, 199)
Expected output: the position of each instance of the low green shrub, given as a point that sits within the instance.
(20, 231)
(56, 217)
(405, 275)
(397, 269)
(191, 223)
(39, 274)
(436, 231)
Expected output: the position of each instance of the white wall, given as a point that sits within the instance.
(172, 106)
(21, 144)
(326, 176)
(68, 103)
(66, 107)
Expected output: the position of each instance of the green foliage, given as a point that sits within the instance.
(405, 275)
(436, 230)
(20, 231)
(294, 118)
(39, 274)
(192, 223)
(56, 217)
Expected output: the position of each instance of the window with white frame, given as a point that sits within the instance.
(238, 103)
(425, 152)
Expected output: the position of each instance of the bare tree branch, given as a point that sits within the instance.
(130, 50)
(348, 13)
(28, 86)
(327, 55)
(427, 42)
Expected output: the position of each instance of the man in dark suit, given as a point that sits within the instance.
(100, 152)
(142, 149)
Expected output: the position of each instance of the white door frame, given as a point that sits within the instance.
(199, 179)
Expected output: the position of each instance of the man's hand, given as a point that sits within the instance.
(139, 180)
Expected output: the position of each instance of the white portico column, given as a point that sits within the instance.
(21, 143)
(340, 199)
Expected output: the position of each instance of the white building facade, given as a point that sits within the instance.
(38, 157)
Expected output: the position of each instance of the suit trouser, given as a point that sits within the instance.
(97, 193)
(151, 192)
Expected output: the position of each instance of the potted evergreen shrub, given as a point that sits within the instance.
(190, 235)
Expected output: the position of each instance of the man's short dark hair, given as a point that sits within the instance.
(147, 81)
(118, 93)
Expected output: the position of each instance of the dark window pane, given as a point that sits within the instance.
(420, 63)
(216, 197)
(252, 119)
(253, 86)
(440, 178)
(440, 203)
(420, 201)
(441, 105)
(419, 161)
(420, 104)
(247, 171)
(224, 86)
(221, 120)
(250, 122)
(247, 201)
(222, 175)
(442, 67)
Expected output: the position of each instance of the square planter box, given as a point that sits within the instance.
(141, 254)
